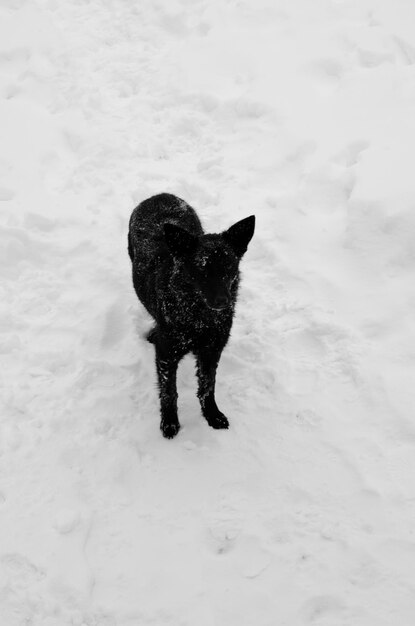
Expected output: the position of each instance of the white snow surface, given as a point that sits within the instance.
(304, 511)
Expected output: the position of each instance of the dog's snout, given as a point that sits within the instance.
(221, 301)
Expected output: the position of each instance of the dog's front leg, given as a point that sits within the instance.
(207, 363)
(166, 373)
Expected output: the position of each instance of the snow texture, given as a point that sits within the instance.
(302, 513)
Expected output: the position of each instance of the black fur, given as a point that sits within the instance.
(188, 282)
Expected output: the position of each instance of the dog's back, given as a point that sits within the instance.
(146, 234)
(149, 253)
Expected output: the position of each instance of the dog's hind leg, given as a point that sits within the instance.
(207, 363)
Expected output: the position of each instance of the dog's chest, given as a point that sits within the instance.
(194, 325)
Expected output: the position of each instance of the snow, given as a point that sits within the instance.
(301, 513)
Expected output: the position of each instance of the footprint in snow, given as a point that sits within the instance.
(175, 24)
(305, 343)
(244, 108)
(307, 420)
(330, 69)
(406, 50)
(211, 168)
(350, 154)
(66, 521)
(249, 557)
(221, 539)
(19, 570)
(39, 222)
(373, 58)
(323, 610)
(327, 74)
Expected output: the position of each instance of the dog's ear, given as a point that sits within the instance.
(179, 241)
(240, 234)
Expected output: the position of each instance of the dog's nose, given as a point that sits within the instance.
(221, 301)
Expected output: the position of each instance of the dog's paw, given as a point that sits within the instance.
(169, 429)
(217, 420)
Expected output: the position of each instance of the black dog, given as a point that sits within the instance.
(188, 282)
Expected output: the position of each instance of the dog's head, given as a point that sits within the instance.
(211, 262)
